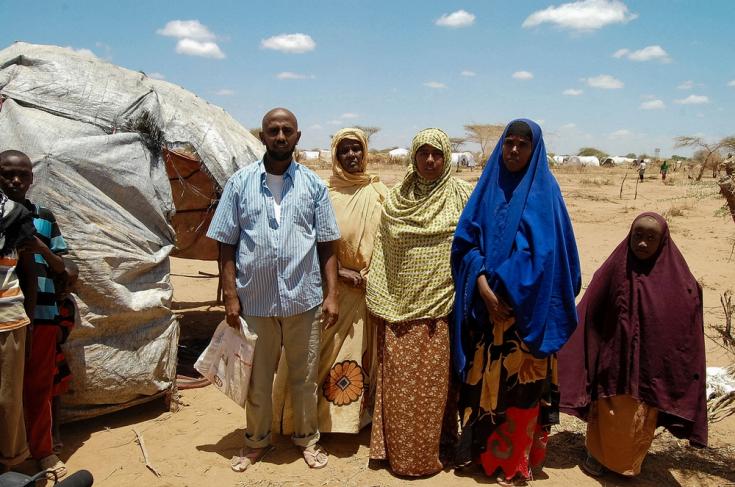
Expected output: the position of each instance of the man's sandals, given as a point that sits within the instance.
(248, 456)
(55, 468)
(315, 456)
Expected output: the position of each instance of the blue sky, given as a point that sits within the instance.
(622, 76)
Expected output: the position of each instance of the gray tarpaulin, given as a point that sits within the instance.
(97, 135)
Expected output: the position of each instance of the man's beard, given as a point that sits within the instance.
(280, 155)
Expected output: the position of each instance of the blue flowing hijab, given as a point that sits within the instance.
(516, 230)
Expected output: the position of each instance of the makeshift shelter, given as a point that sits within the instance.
(582, 161)
(132, 167)
(463, 159)
(398, 153)
(612, 161)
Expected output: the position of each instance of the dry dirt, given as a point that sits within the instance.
(192, 447)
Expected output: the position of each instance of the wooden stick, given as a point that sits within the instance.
(145, 453)
(637, 180)
(621, 184)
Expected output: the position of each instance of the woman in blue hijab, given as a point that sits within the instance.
(516, 272)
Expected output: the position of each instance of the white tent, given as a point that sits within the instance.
(582, 161)
(463, 159)
(617, 161)
(309, 155)
(398, 153)
(132, 168)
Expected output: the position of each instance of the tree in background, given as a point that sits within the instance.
(591, 151)
(457, 142)
(631, 155)
(369, 131)
(256, 132)
(709, 151)
(485, 135)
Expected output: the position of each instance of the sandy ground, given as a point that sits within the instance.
(192, 447)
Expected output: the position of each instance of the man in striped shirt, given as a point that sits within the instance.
(16, 177)
(278, 234)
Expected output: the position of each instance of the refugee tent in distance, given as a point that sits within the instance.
(582, 161)
(132, 167)
(398, 153)
(463, 159)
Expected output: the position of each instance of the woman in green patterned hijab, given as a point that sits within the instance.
(411, 293)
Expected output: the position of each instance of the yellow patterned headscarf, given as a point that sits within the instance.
(410, 277)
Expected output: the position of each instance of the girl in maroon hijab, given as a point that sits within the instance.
(636, 360)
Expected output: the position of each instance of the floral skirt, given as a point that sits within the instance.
(346, 363)
(413, 416)
(508, 401)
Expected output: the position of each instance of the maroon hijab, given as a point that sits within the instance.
(641, 333)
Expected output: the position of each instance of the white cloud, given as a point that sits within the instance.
(568, 126)
(648, 53)
(192, 47)
(83, 51)
(194, 38)
(620, 134)
(435, 85)
(693, 100)
(105, 48)
(155, 75)
(731, 83)
(653, 105)
(687, 85)
(467, 72)
(349, 115)
(460, 18)
(292, 75)
(290, 43)
(224, 92)
(584, 15)
(316, 126)
(335, 122)
(186, 29)
(604, 81)
(524, 75)
(572, 92)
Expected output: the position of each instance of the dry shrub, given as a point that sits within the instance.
(595, 181)
(678, 209)
(573, 169)
(671, 180)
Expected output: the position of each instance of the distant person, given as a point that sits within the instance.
(664, 170)
(517, 272)
(641, 169)
(278, 236)
(411, 294)
(637, 359)
(17, 303)
(16, 178)
(347, 356)
(67, 321)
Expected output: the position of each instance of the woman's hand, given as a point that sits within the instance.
(496, 308)
(351, 277)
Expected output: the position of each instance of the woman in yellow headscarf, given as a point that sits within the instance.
(411, 293)
(346, 361)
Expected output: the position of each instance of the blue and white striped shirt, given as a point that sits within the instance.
(278, 270)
